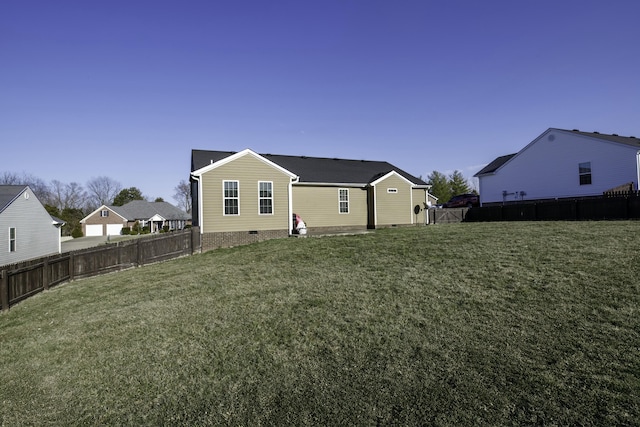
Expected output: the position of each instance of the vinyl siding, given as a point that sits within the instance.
(419, 196)
(36, 236)
(548, 168)
(318, 206)
(248, 171)
(393, 208)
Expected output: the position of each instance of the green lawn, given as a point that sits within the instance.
(460, 324)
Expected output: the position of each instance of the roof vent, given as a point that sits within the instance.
(615, 134)
(596, 132)
(211, 161)
(632, 137)
(576, 130)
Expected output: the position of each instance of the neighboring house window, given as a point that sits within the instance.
(392, 190)
(265, 197)
(104, 213)
(585, 173)
(343, 199)
(12, 239)
(231, 197)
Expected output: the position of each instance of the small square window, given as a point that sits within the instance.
(104, 213)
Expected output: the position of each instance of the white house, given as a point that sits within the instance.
(562, 164)
(28, 231)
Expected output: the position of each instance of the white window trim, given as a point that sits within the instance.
(392, 190)
(581, 174)
(104, 213)
(224, 198)
(340, 201)
(260, 198)
(14, 239)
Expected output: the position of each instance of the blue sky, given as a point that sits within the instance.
(127, 88)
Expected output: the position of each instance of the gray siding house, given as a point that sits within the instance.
(28, 231)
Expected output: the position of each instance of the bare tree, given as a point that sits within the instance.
(67, 196)
(101, 191)
(38, 186)
(182, 195)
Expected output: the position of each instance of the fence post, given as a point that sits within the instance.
(45, 274)
(72, 266)
(4, 289)
(139, 253)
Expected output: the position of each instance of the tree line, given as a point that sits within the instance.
(445, 187)
(72, 201)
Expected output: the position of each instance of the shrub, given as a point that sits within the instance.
(77, 232)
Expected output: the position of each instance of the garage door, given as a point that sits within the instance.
(94, 230)
(114, 229)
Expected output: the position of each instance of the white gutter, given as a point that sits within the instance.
(638, 171)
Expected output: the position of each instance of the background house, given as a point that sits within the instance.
(562, 164)
(27, 229)
(110, 220)
(244, 196)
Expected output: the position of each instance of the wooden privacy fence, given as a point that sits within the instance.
(614, 206)
(22, 280)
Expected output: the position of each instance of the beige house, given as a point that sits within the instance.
(244, 197)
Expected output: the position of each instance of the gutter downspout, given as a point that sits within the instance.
(638, 171)
(200, 222)
(290, 220)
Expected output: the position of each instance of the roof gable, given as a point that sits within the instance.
(313, 170)
(8, 193)
(630, 141)
(219, 158)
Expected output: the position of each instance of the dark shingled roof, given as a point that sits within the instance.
(628, 140)
(141, 209)
(8, 193)
(494, 165)
(315, 169)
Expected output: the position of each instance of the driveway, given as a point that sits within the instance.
(83, 243)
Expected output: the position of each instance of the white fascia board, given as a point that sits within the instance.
(382, 178)
(238, 155)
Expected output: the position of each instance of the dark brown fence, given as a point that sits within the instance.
(22, 280)
(619, 205)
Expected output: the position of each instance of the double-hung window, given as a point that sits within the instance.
(104, 213)
(584, 170)
(231, 195)
(265, 197)
(343, 200)
(12, 239)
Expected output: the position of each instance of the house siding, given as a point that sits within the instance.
(36, 236)
(319, 208)
(248, 171)
(548, 169)
(419, 197)
(393, 208)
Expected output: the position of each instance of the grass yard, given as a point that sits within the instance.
(461, 324)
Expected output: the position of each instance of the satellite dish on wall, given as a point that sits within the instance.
(416, 209)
